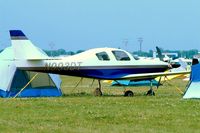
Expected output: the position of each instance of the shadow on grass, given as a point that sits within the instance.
(84, 94)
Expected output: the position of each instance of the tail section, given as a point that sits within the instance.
(183, 64)
(24, 48)
(160, 56)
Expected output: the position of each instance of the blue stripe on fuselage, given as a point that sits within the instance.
(117, 73)
(99, 73)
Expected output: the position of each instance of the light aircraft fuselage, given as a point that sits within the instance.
(98, 63)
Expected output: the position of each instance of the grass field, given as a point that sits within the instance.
(79, 111)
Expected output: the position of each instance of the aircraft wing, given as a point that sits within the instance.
(151, 75)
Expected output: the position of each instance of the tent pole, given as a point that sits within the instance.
(26, 85)
(181, 92)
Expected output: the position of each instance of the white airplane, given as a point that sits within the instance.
(99, 63)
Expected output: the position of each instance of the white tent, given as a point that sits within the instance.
(12, 80)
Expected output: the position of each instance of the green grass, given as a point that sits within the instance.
(79, 111)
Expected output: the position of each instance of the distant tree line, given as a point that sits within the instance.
(143, 53)
(60, 52)
(181, 53)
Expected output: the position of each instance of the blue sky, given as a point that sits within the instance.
(84, 24)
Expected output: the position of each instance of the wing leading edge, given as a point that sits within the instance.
(152, 75)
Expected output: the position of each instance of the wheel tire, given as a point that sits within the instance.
(128, 94)
(150, 93)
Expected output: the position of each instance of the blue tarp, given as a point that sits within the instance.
(30, 92)
(134, 83)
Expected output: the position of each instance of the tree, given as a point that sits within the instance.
(79, 51)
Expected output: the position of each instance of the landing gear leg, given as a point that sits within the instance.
(97, 91)
(150, 92)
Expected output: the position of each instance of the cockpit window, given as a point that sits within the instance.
(121, 56)
(103, 56)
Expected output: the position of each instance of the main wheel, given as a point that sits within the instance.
(128, 93)
(150, 93)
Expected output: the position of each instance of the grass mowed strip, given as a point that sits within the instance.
(79, 111)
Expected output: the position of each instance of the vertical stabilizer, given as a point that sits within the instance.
(160, 56)
(24, 48)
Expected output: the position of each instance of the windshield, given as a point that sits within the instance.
(121, 56)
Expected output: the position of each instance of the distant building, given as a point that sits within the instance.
(197, 56)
